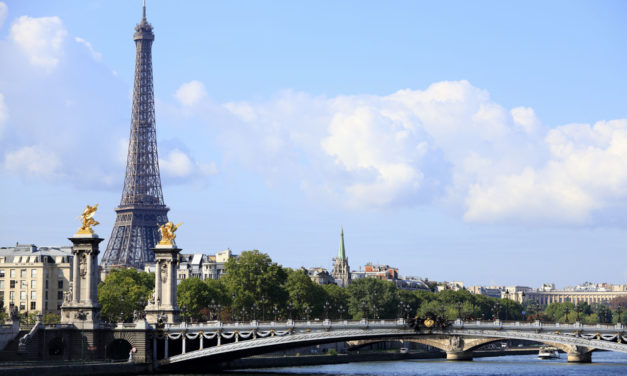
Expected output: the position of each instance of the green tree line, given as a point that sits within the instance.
(255, 287)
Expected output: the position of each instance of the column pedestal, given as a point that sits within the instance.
(162, 307)
(80, 305)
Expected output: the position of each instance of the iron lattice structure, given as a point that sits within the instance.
(142, 208)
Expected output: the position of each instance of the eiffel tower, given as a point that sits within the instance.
(141, 208)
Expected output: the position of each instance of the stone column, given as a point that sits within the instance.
(82, 307)
(162, 305)
(579, 354)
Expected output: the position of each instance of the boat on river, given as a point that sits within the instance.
(548, 352)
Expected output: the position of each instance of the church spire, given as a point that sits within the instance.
(342, 252)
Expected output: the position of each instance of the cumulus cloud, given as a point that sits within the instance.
(3, 13)
(4, 114)
(178, 165)
(190, 93)
(95, 54)
(41, 39)
(33, 161)
(449, 144)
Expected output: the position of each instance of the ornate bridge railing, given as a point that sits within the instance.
(186, 342)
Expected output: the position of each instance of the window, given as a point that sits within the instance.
(33, 284)
(60, 284)
(12, 273)
(2, 273)
(13, 283)
(12, 296)
(59, 295)
(22, 306)
(23, 284)
(1, 283)
(33, 273)
(22, 295)
(33, 295)
(46, 283)
(33, 305)
(23, 273)
(46, 295)
(60, 274)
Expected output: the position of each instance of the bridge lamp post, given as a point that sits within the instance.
(619, 311)
(263, 307)
(232, 307)
(496, 310)
(566, 311)
(341, 311)
(401, 307)
(244, 314)
(364, 309)
(506, 304)
(275, 311)
(327, 306)
(255, 309)
(307, 311)
(375, 311)
(219, 314)
(407, 311)
(212, 307)
(290, 309)
(578, 310)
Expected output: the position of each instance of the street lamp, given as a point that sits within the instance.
(401, 307)
(290, 309)
(341, 311)
(232, 307)
(263, 307)
(244, 315)
(566, 311)
(327, 306)
(578, 310)
(459, 309)
(496, 310)
(619, 310)
(255, 309)
(307, 311)
(364, 309)
(212, 307)
(276, 311)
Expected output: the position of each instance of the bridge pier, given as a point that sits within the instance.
(459, 355)
(579, 357)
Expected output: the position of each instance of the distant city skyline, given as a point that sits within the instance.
(461, 142)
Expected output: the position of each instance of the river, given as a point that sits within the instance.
(604, 363)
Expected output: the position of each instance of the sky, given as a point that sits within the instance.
(483, 142)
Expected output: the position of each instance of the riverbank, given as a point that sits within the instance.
(312, 360)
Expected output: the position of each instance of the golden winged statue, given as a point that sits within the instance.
(87, 220)
(167, 233)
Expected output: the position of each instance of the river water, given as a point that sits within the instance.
(604, 363)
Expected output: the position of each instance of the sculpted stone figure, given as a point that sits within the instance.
(167, 233)
(87, 220)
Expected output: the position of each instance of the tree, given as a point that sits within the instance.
(252, 276)
(51, 318)
(123, 292)
(303, 292)
(338, 298)
(192, 295)
(373, 297)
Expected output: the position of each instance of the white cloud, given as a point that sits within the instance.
(41, 39)
(178, 165)
(448, 144)
(95, 54)
(33, 161)
(4, 114)
(3, 13)
(191, 93)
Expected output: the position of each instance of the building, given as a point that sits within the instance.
(341, 271)
(319, 275)
(589, 293)
(200, 265)
(382, 271)
(34, 279)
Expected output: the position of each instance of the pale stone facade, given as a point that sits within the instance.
(34, 279)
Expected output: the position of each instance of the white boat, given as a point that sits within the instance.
(548, 352)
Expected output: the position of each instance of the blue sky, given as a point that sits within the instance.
(477, 141)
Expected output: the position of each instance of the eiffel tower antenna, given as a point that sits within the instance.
(141, 208)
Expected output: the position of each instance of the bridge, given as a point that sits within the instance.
(162, 340)
(201, 344)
